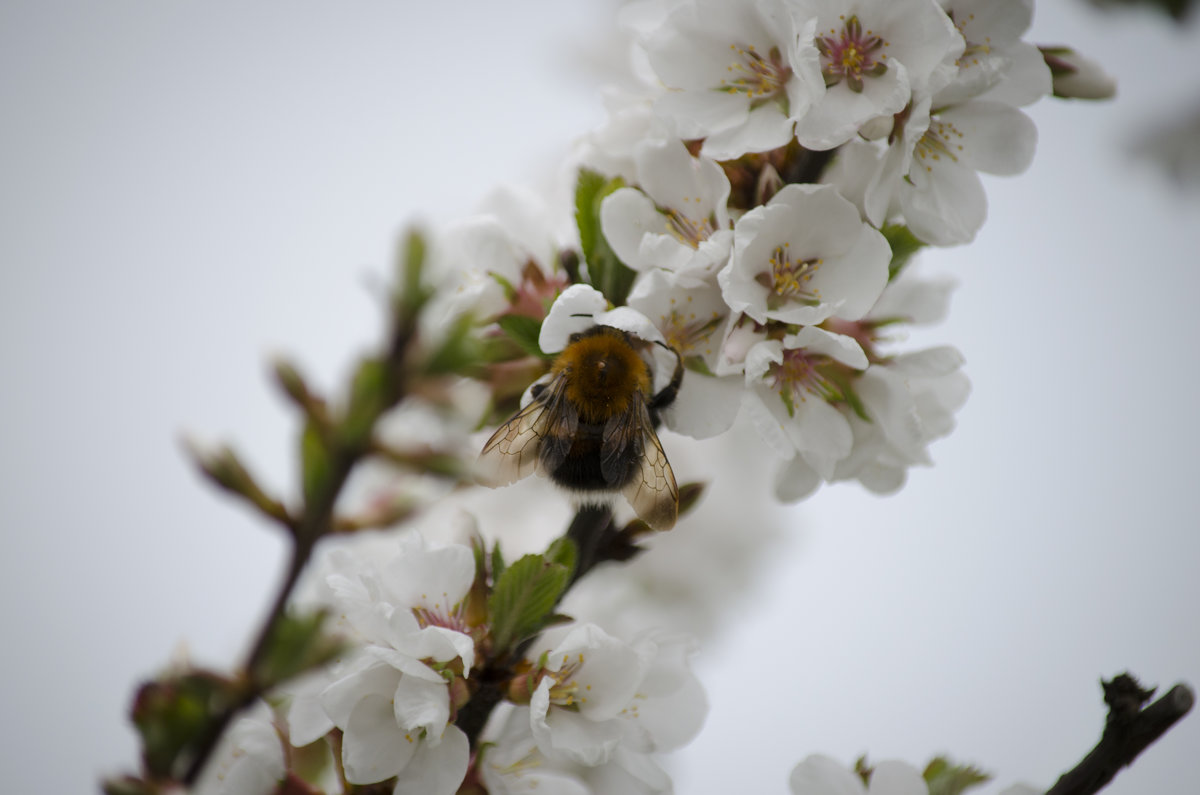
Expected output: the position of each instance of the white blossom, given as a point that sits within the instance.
(391, 699)
(804, 257)
(597, 693)
(874, 54)
(248, 760)
(789, 393)
(996, 65)
(823, 775)
(676, 219)
(738, 73)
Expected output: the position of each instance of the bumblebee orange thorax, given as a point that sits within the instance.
(603, 372)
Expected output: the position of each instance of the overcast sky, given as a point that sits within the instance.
(190, 187)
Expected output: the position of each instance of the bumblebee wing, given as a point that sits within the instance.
(652, 491)
(529, 439)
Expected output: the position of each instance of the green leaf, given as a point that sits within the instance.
(410, 294)
(524, 332)
(564, 552)
(864, 770)
(498, 564)
(296, 644)
(947, 778)
(366, 402)
(524, 598)
(314, 461)
(904, 244)
(606, 272)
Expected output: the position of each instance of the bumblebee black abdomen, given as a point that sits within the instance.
(582, 468)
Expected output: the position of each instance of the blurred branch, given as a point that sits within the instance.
(1128, 730)
(1177, 9)
(343, 443)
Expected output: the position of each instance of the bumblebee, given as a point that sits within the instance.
(590, 427)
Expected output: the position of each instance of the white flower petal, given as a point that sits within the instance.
(436, 769)
(573, 311)
(343, 695)
(947, 209)
(765, 128)
(626, 216)
(705, 406)
(373, 746)
(795, 480)
(823, 775)
(418, 704)
(996, 138)
(897, 778)
(821, 435)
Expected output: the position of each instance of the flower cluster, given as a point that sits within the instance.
(762, 198)
(589, 706)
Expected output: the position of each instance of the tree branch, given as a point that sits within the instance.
(1128, 731)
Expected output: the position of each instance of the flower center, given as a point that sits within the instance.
(851, 55)
(973, 49)
(563, 687)
(441, 614)
(688, 230)
(798, 376)
(941, 139)
(686, 333)
(788, 281)
(755, 76)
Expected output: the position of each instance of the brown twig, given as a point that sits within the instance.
(1128, 731)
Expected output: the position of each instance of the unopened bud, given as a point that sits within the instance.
(460, 693)
(520, 687)
(1077, 77)
(291, 382)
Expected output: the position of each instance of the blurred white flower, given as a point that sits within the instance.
(248, 760)
(823, 775)
(596, 692)
(512, 764)
(482, 264)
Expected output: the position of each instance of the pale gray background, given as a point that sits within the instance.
(187, 187)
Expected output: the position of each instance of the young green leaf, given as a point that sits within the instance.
(563, 551)
(524, 598)
(314, 461)
(904, 244)
(524, 332)
(366, 402)
(296, 644)
(606, 272)
(947, 778)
